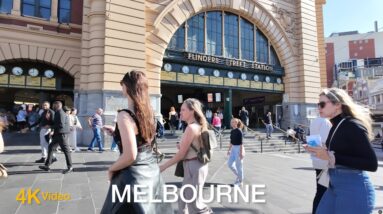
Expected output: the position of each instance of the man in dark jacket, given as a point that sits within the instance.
(59, 134)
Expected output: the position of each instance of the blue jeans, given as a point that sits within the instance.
(96, 137)
(234, 157)
(269, 130)
(114, 145)
(350, 191)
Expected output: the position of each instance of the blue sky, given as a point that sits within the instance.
(348, 15)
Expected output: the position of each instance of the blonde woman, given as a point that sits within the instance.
(173, 120)
(236, 150)
(195, 172)
(349, 153)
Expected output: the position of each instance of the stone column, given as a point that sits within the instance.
(54, 11)
(16, 7)
(299, 104)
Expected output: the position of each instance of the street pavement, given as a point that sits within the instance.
(289, 179)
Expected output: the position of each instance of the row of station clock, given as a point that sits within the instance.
(34, 72)
(201, 71)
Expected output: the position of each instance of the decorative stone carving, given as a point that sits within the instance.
(285, 18)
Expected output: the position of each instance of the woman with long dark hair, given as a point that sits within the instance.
(349, 153)
(134, 132)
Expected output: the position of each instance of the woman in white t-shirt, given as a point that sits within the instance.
(74, 124)
(319, 126)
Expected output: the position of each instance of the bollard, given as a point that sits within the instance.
(261, 146)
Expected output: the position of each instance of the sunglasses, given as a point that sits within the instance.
(322, 104)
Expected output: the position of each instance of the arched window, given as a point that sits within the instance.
(231, 36)
(196, 33)
(262, 48)
(247, 40)
(178, 40)
(214, 33)
(224, 34)
(274, 57)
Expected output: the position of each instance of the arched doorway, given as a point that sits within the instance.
(225, 61)
(30, 82)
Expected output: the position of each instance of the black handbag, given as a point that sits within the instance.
(179, 169)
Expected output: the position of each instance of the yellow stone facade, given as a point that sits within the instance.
(120, 35)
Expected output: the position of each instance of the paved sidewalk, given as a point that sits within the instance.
(289, 180)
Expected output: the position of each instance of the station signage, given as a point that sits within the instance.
(228, 62)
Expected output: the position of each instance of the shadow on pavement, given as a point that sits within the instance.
(21, 151)
(13, 164)
(99, 163)
(304, 168)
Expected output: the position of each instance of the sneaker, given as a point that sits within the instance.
(41, 160)
(77, 150)
(45, 168)
(90, 150)
(66, 171)
(238, 183)
(102, 150)
(114, 150)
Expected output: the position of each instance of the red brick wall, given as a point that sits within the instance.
(330, 61)
(76, 13)
(361, 49)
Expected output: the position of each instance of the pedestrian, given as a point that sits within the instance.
(173, 120)
(95, 122)
(300, 133)
(319, 126)
(290, 133)
(134, 132)
(61, 130)
(33, 117)
(350, 155)
(45, 123)
(75, 125)
(244, 116)
(216, 122)
(3, 170)
(236, 151)
(268, 122)
(21, 118)
(209, 115)
(195, 172)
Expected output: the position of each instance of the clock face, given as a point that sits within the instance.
(49, 73)
(201, 71)
(185, 69)
(33, 72)
(17, 71)
(2, 69)
(256, 78)
(279, 81)
(243, 76)
(267, 79)
(216, 73)
(230, 74)
(168, 67)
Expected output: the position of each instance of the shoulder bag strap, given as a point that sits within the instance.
(329, 144)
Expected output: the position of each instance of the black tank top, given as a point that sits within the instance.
(117, 136)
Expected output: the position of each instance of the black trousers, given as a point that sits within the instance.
(62, 141)
(320, 191)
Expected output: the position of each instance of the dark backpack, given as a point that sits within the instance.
(159, 129)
